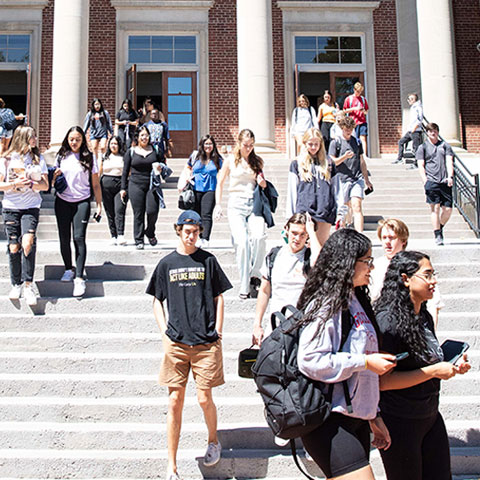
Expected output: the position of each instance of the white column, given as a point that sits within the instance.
(70, 64)
(255, 70)
(437, 67)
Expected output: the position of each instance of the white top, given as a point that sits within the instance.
(113, 165)
(17, 166)
(78, 179)
(243, 179)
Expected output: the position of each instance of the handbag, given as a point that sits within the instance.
(186, 199)
(246, 360)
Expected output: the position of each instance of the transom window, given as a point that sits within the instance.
(162, 49)
(328, 50)
(14, 48)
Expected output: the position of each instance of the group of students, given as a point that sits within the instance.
(395, 400)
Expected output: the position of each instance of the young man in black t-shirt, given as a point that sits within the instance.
(192, 282)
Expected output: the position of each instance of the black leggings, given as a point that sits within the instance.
(204, 205)
(419, 449)
(144, 201)
(114, 206)
(325, 128)
(76, 215)
(340, 446)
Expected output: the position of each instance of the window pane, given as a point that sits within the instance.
(179, 104)
(328, 43)
(350, 43)
(162, 56)
(18, 41)
(3, 41)
(139, 56)
(305, 43)
(351, 57)
(305, 56)
(139, 42)
(179, 85)
(3, 56)
(184, 56)
(162, 42)
(17, 56)
(327, 56)
(180, 121)
(185, 43)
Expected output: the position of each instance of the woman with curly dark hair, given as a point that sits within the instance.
(72, 205)
(338, 282)
(410, 393)
(245, 169)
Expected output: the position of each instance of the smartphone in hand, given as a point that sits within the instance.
(97, 217)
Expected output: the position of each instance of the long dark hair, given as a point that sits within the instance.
(395, 300)
(128, 102)
(121, 147)
(329, 286)
(86, 157)
(102, 118)
(214, 156)
(137, 134)
(254, 161)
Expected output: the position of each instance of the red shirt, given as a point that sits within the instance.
(353, 101)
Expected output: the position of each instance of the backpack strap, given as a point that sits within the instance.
(270, 259)
(306, 261)
(293, 449)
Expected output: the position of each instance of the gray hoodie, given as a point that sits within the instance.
(319, 359)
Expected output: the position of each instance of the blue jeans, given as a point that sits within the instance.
(248, 235)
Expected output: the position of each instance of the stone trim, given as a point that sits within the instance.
(177, 4)
(23, 3)
(309, 5)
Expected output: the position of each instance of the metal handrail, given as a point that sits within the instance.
(466, 191)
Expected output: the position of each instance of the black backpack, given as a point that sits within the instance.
(294, 404)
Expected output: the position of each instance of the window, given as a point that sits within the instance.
(162, 49)
(14, 48)
(328, 50)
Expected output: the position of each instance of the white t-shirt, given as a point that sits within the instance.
(78, 179)
(287, 280)
(17, 166)
(242, 179)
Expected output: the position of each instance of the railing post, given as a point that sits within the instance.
(477, 195)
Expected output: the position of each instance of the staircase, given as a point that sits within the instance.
(78, 378)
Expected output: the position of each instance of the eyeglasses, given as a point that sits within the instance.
(428, 276)
(367, 261)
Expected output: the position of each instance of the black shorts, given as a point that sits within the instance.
(438, 193)
(340, 446)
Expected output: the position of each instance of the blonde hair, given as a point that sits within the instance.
(21, 143)
(254, 161)
(303, 97)
(399, 228)
(307, 163)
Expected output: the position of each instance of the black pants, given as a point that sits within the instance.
(419, 449)
(325, 128)
(144, 202)
(415, 137)
(73, 215)
(17, 224)
(114, 206)
(340, 446)
(204, 205)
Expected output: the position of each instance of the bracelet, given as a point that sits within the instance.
(366, 363)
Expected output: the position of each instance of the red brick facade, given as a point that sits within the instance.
(387, 76)
(466, 26)
(46, 76)
(223, 71)
(278, 78)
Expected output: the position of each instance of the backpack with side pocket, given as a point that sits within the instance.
(295, 405)
(8, 118)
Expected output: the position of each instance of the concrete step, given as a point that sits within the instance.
(117, 386)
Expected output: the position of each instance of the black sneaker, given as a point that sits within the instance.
(153, 241)
(438, 237)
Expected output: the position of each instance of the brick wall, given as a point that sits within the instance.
(102, 55)
(388, 77)
(223, 72)
(466, 27)
(278, 77)
(46, 76)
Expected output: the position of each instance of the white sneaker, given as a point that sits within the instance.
(15, 292)
(113, 241)
(205, 243)
(121, 240)
(213, 454)
(68, 276)
(30, 295)
(79, 287)
(281, 442)
(172, 476)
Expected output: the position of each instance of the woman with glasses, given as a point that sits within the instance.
(410, 392)
(245, 169)
(336, 290)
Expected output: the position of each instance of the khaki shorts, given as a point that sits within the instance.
(206, 362)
